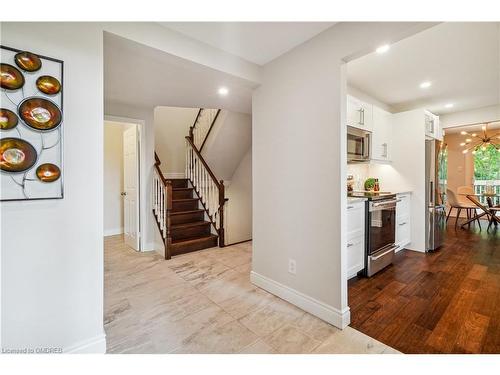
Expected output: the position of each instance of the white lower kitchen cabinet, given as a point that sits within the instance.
(355, 237)
(403, 223)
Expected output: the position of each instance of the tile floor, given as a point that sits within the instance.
(204, 302)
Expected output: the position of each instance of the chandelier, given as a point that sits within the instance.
(476, 141)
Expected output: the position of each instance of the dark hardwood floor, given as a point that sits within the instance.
(442, 302)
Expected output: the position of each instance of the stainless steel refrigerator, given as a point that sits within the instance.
(435, 193)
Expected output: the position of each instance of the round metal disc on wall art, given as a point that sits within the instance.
(10, 77)
(40, 114)
(8, 119)
(28, 61)
(16, 155)
(48, 85)
(48, 172)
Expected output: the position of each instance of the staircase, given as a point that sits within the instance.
(189, 212)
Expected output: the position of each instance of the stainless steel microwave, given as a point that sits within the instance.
(358, 144)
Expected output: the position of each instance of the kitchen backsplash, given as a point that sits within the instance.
(389, 178)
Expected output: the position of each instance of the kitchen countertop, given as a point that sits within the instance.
(355, 199)
(359, 199)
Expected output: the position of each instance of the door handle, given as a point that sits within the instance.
(384, 253)
(123, 193)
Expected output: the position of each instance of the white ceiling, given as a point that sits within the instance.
(141, 76)
(460, 59)
(257, 42)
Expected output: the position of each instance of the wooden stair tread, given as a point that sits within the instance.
(188, 241)
(182, 189)
(185, 200)
(186, 212)
(191, 224)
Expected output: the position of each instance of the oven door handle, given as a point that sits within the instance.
(385, 203)
(384, 253)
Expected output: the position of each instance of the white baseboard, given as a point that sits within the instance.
(94, 345)
(174, 175)
(330, 314)
(113, 232)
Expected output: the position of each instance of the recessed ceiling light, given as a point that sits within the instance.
(425, 85)
(449, 105)
(383, 49)
(223, 91)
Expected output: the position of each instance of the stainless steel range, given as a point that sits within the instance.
(380, 229)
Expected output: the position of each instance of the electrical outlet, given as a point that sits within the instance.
(292, 266)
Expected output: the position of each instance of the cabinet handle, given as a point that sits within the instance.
(401, 224)
(349, 207)
(350, 244)
(384, 145)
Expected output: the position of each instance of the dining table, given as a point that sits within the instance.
(485, 209)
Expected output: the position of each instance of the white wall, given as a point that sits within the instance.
(408, 157)
(171, 126)
(113, 178)
(299, 163)
(52, 252)
(228, 143)
(491, 113)
(238, 209)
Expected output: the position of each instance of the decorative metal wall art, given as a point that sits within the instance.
(31, 121)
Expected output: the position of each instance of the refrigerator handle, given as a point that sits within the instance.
(431, 193)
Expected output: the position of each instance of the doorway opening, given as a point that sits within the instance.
(407, 108)
(122, 192)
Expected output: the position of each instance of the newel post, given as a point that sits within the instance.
(191, 133)
(168, 209)
(222, 200)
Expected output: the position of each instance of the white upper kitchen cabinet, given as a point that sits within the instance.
(439, 128)
(359, 114)
(432, 126)
(381, 134)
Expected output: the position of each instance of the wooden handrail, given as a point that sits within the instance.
(191, 128)
(212, 176)
(157, 166)
(167, 209)
(210, 129)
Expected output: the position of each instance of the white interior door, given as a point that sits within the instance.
(131, 188)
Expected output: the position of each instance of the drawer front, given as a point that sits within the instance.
(355, 217)
(403, 228)
(355, 255)
(403, 206)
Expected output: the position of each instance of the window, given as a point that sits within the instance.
(487, 169)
